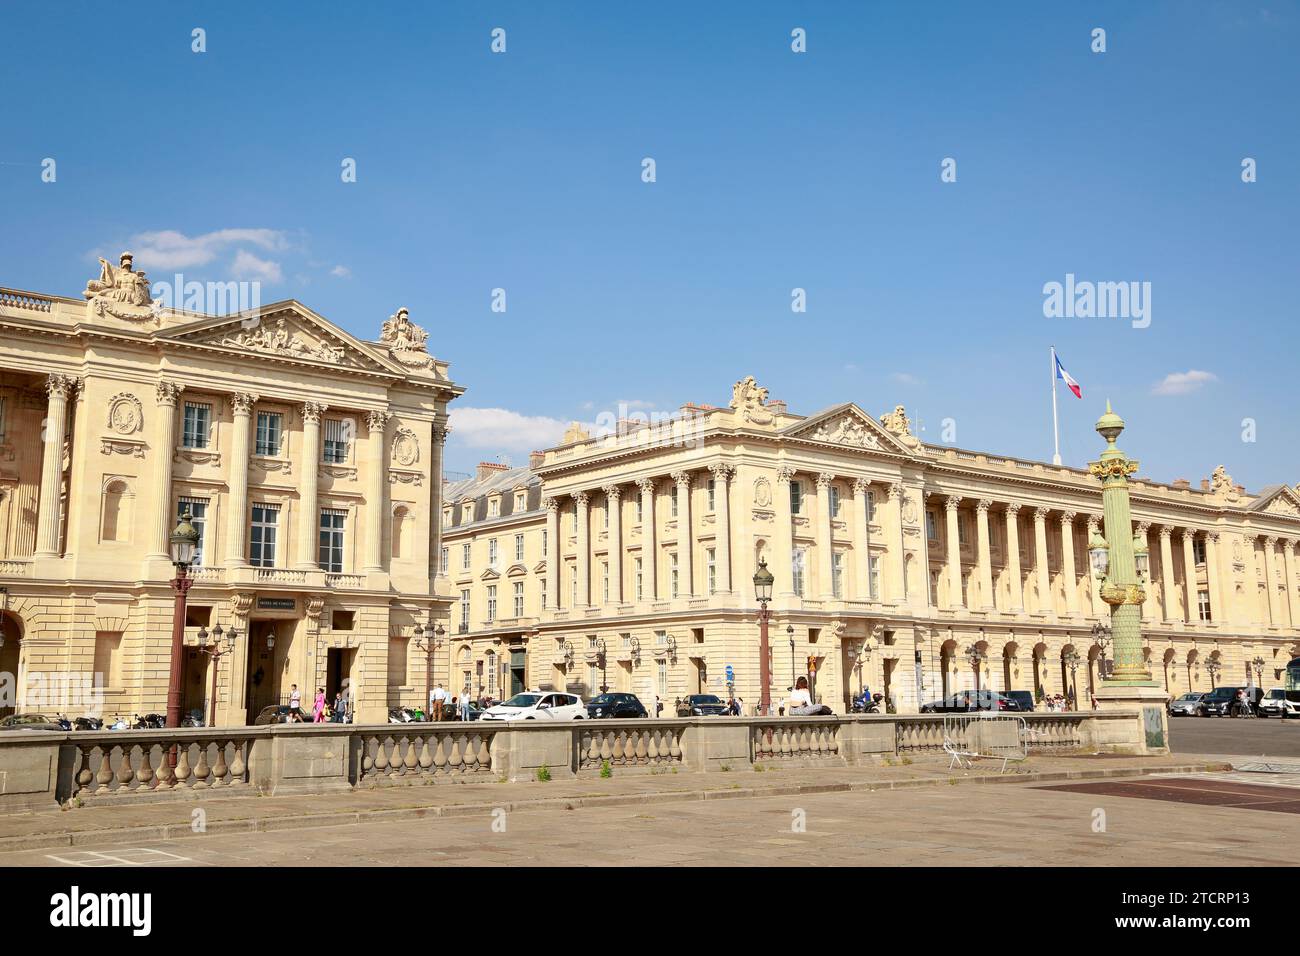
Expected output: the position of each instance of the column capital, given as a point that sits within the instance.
(582, 497)
(612, 492)
(312, 411)
(61, 386)
(1013, 508)
(1166, 532)
(784, 474)
(1214, 536)
(1067, 517)
(1041, 512)
(983, 505)
(896, 490)
(1143, 527)
(1094, 523)
(721, 471)
(1269, 541)
(551, 504)
(169, 392)
(681, 477)
(377, 420)
(646, 486)
(1188, 534)
(952, 502)
(824, 479)
(860, 485)
(440, 432)
(241, 403)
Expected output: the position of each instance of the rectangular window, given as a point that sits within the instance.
(837, 574)
(491, 603)
(261, 535)
(197, 422)
(711, 563)
(835, 501)
(931, 526)
(873, 577)
(573, 591)
(661, 678)
(541, 592)
(604, 582)
(637, 577)
(331, 540)
(961, 529)
(639, 510)
(519, 599)
(519, 547)
(335, 449)
(4, 419)
(713, 495)
(442, 560)
(673, 500)
(672, 568)
(269, 429)
(609, 508)
(796, 497)
(464, 611)
(1198, 550)
(492, 552)
(546, 543)
(464, 557)
(796, 571)
(494, 508)
(1203, 605)
(871, 507)
(593, 677)
(198, 509)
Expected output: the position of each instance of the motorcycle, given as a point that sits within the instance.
(193, 719)
(63, 722)
(121, 723)
(88, 723)
(399, 715)
(867, 704)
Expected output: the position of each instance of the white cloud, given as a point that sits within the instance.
(341, 272)
(906, 378)
(169, 249)
(633, 404)
(501, 429)
(249, 266)
(1180, 383)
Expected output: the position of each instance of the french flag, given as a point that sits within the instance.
(1066, 377)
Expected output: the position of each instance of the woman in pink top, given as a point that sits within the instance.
(318, 709)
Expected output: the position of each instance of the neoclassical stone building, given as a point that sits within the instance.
(898, 564)
(309, 460)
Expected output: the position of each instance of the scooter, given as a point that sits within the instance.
(398, 715)
(88, 723)
(867, 705)
(63, 722)
(121, 723)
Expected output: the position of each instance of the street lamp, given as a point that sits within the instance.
(763, 579)
(789, 632)
(1072, 661)
(215, 651)
(183, 543)
(1101, 636)
(634, 649)
(1258, 664)
(976, 655)
(429, 647)
(601, 648)
(1213, 666)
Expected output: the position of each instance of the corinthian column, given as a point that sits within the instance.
(783, 547)
(649, 546)
(1017, 602)
(823, 535)
(1292, 598)
(984, 556)
(951, 504)
(376, 423)
(1094, 585)
(1067, 564)
(241, 405)
(161, 518)
(1045, 603)
(1189, 574)
(440, 430)
(1212, 574)
(685, 538)
(614, 504)
(59, 388)
(1270, 579)
(308, 487)
(861, 541)
(722, 508)
(1167, 573)
(552, 553)
(583, 519)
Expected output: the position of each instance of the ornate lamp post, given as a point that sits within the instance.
(215, 651)
(1072, 661)
(789, 632)
(183, 543)
(1213, 667)
(602, 659)
(429, 648)
(763, 579)
(976, 655)
(1258, 664)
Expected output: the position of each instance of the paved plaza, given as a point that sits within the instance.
(1239, 736)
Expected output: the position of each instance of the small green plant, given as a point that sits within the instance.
(906, 761)
(889, 761)
(605, 771)
(725, 768)
(759, 768)
(952, 781)
(543, 774)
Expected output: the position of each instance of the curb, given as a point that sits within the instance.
(168, 833)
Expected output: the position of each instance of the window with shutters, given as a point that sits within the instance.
(338, 432)
(196, 425)
(331, 540)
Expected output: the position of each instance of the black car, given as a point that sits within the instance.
(616, 705)
(1222, 701)
(966, 701)
(30, 722)
(701, 705)
(1024, 699)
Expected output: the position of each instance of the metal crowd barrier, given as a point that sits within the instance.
(986, 735)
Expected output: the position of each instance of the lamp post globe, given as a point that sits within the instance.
(183, 544)
(763, 580)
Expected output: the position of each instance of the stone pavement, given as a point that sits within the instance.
(173, 819)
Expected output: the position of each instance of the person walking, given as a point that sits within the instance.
(318, 708)
(464, 704)
(336, 712)
(436, 700)
(295, 698)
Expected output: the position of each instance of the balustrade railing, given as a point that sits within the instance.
(281, 575)
(345, 580)
(424, 753)
(141, 762)
(15, 299)
(795, 739)
(918, 734)
(16, 568)
(628, 745)
(1047, 732)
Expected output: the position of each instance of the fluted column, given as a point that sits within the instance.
(1270, 579)
(985, 557)
(1150, 609)
(377, 481)
(898, 567)
(1212, 573)
(309, 487)
(241, 405)
(823, 535)
(440, 430)
(1167, 601)
(722, 508)
(784, 544)
(861, 541)
(1253, 613)
(1189, 574)
(58, 388)
(552, 553)
(1292, 597)
(161, 519)
(951, 504)
(685, 535)
(1094, 585)
(614, 504)
(583, 513)
(1017, 602)
(649, 549)
(1067, 564)
(1045, 603)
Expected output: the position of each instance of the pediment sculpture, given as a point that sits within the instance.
(846, 431)
(279, 340)
(1282, 505)
(120, 292)
(900, 426)
(1222, 485)
(405, 340)
(748, 398)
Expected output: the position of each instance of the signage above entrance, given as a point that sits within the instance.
(277, 604)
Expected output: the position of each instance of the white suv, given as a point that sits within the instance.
(1280, 703)
(538, 705)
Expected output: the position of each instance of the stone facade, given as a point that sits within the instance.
(893, 560)
(310, 460)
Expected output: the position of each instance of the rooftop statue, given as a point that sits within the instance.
(405, 340)
(120, 291)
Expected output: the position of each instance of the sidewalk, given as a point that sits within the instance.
(174, 819)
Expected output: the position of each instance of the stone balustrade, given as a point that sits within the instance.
(39, 768)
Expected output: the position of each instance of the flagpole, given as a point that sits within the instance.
(1056, 434)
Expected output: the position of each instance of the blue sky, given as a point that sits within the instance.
(775, 171)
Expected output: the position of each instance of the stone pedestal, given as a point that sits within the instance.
(1150, 731)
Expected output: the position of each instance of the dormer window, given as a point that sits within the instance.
(520, 501)
(494, 507)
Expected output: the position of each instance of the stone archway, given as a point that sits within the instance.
(1011, 665)
(1170, 661)
(12, 674)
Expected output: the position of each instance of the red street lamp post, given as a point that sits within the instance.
(183, 543)
(763, 579)
(436, 634)
(215, 652)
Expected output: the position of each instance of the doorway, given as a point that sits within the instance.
(265, 667)
(10, 660)
(701, 675)
(197, 680)
(338, 668)
(518, 671)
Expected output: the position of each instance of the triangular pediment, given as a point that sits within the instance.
(283, 331)
(1281, 500)
(491, 574)
(849, 426)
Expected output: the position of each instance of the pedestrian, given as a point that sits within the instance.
(436, 701)
(318, 708)
(740, 706)
(295, 698)
(336, 712)
(464, 704)
(659, 706)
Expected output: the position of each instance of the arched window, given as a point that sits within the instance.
(115, 521)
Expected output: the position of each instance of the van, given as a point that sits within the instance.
(1279, 702)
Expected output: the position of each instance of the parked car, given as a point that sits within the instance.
(616, 705)
(280, 714)
(30, 722)
(1189, 705)
(965, 701)
(475, 712)
(1024, 699)
(1222, 701)
(1279, 702)
(537, 705)
(701, 705)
